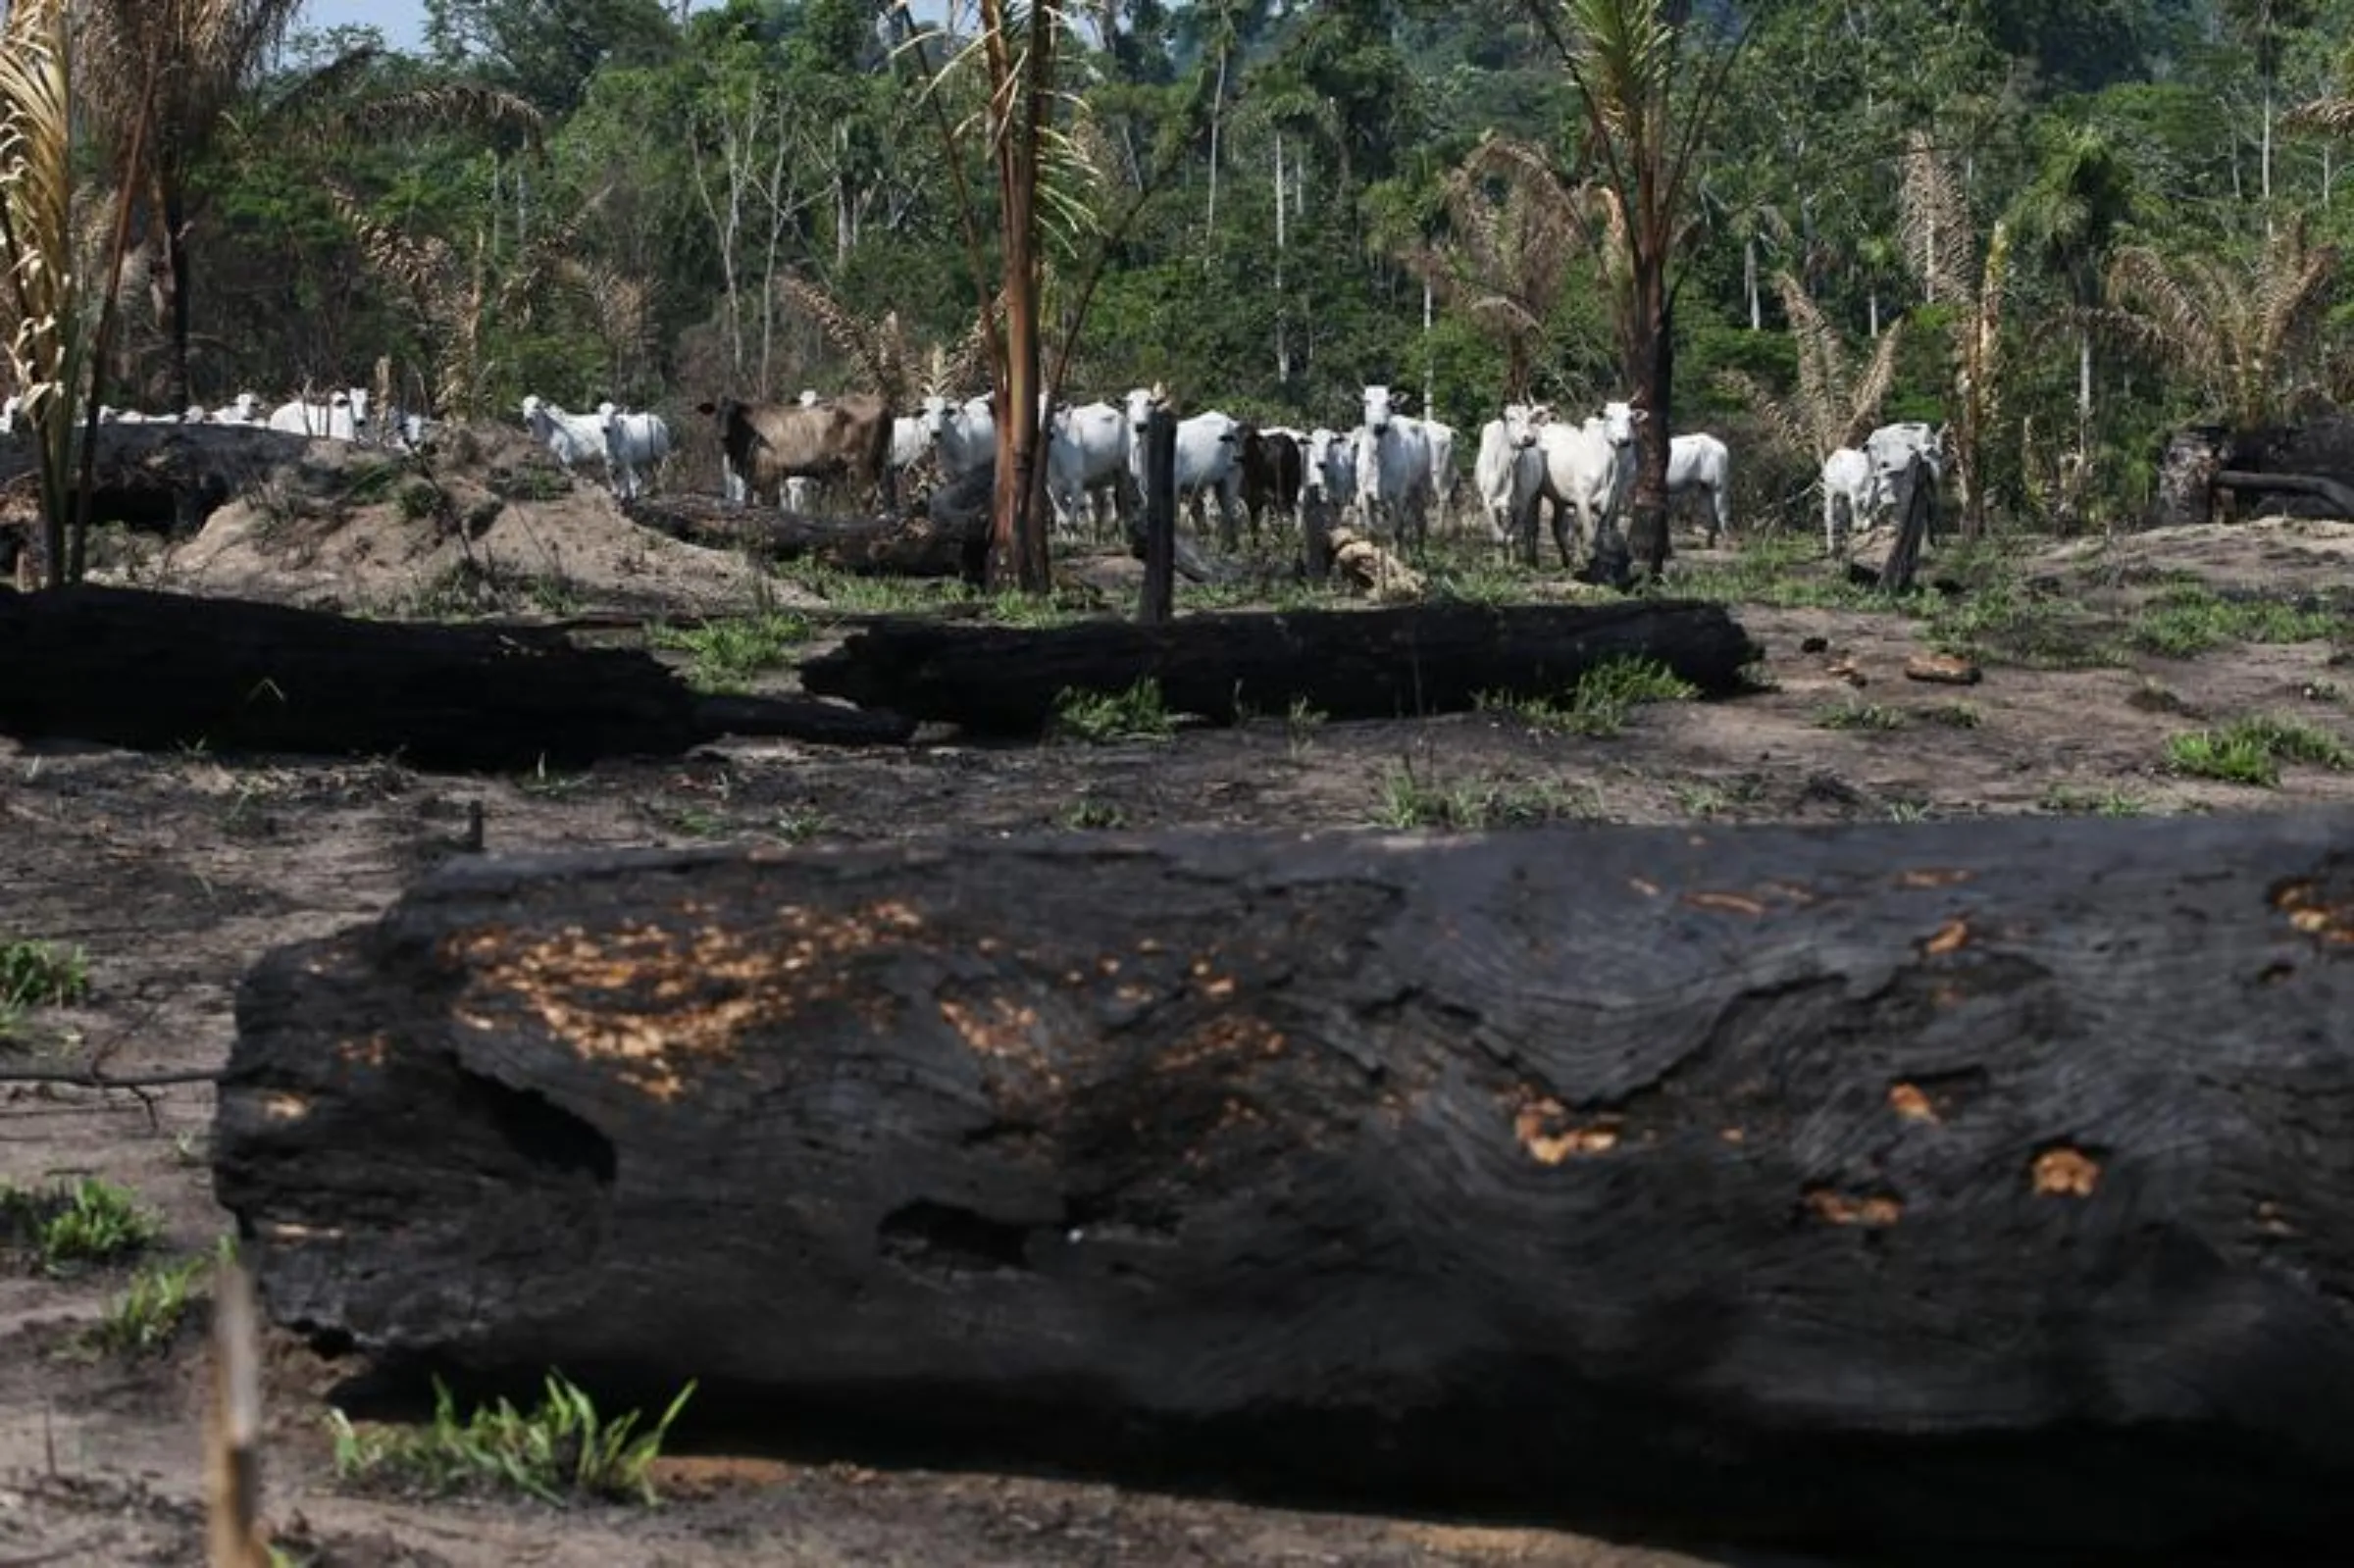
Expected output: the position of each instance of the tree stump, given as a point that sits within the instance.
(1970, 1192)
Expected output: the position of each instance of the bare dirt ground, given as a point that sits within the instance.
(175, 872)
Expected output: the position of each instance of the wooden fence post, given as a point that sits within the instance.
(1161, 517)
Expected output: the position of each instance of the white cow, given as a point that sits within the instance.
(633, 442)
(1891, 448)
(965, 435)
(1087, 453)
(1441, 440)
(1393, 468)
(1588, 468)
(571, 438)
(1509, 471)
(338, 419)
(1850, 493)
(1703, 462)
(243, 409)
(1209, 458)
(910, 440)
(1328, 469)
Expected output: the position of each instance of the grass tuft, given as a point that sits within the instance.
(73, 1225)
(561, 1449)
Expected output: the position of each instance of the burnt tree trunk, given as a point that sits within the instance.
(1350, 664)
(2187, 471)
(160, 671)
(2338, 496)
(929, 546)
(1982, 1190)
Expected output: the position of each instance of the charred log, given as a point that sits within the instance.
(937, 545)
(1969, 1191)
(1350, 663)
(161, 671)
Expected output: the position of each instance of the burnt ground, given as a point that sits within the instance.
(175, 872)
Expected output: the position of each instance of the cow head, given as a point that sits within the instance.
(1137, 405)
(1520, 422)
(1380, 409)
(935, 415)
(808, 398)
(1619, 422)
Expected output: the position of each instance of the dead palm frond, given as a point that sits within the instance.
(456, 296)
(1832, 405)
(2244, 333)
(49, 336)
(1513, 231)
(1933, 222)
(621, 305)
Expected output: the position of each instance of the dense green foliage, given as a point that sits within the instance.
(634, 252)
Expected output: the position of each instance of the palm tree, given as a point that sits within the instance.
(1833, 404)
(1938, 238)
(1645, 121)
(49, 340)
(1514, 229)
(203, 56)
(2068, 217)
(161, 78)
(2245, 332)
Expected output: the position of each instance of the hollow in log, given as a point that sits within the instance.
(160, 671)
(1970, 1192)
(1350, 663)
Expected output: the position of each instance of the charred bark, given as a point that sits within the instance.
(1956, 1192)
(161, 671)
(940, 544)
(1350, 663)
(2187, 471)
(2338, 498)
(159, 478)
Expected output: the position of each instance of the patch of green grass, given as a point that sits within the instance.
(1470, 806)
(800, 826)
(419, 498)
(2325, 691)
(148, 1313)
(1031, 610)
(1600, 702)
(558, 1451)
(2068, 800)
(1954, 715)
(71, 1225)
(2003, 623)
(2190, 618)
(725, 655)
(853, 594)
(42, 975)
(1854, 715)
(1101, 718)
(2251, 750)
(1714, 797)
(1780, 571)
(1089, 812)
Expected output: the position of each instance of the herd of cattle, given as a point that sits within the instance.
(1388, 472)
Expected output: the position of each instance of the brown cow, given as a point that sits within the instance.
(761, 445)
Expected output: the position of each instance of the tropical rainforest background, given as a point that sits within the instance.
(2096, 220)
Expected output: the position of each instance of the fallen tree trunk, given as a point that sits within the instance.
(160, 671)
(1350, 663)
(2339, 496)
(1938, 1191)
(871, 546)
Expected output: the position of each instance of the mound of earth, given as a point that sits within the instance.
(483, 519)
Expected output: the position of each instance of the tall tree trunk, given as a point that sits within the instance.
(176, 253)
(1749, 285)
(1017, 554)
(1283, 352)
(1651, 354)
(1217, 115)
